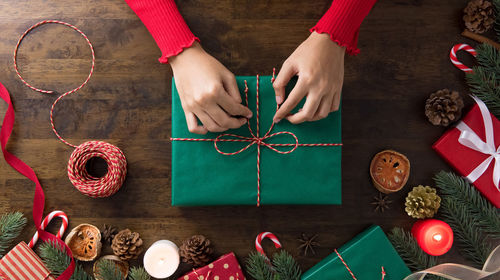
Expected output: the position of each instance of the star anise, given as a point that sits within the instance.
(381, 202)
(307, 243)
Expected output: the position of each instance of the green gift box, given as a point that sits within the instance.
(309, 174)
(364, 256)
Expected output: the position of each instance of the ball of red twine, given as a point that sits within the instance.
(94, 186)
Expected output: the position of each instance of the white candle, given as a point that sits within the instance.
(162, 259)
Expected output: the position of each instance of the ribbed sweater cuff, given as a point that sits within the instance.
(166, 25)
(342, 22)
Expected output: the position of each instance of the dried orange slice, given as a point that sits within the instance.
(389, 171)
(84, 242)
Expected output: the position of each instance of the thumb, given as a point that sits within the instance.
(287, 71)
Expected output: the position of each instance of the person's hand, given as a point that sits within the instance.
(208, 92)
(319, 63)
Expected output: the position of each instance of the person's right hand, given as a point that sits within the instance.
(208, 92)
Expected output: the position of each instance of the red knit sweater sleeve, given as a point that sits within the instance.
(166, 25)
(342, 22)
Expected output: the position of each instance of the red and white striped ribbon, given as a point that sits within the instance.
(456, 62)
(263, 235)
(45, 223)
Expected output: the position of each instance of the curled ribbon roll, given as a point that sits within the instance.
(454, 59)
(45, 223)
(262, 236)
(455, 271)
(471, 140)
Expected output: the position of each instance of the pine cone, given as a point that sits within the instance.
(479, 16)
(127, 245)
(196, 251)
(422, 202)
(108, 233)
(444, 107)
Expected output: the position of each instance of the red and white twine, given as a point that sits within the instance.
(262, 236)
(45, 223)
(350, 271)
(454, 59)
(256, 139)
(77, 173)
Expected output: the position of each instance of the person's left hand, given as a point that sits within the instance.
(319, 63)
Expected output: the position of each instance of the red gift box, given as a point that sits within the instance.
(21, 263)
(472, 153)
(224, 268)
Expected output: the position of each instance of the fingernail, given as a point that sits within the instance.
(279, 99)
(277, 120)
(249, 115)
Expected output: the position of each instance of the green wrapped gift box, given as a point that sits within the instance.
(365, 255)
(201, 175)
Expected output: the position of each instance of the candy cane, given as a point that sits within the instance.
(261, 236)
(454, 60)
(46, 222)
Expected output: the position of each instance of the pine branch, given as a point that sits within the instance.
(407, 247)
(286, 266)
(11, 225)
(56, 261)
(138, 273)
(107, 270)
(470, 241)
(459, 190)
(258, 267)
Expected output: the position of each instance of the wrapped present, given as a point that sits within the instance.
(224, 268)
(368, 256)
(21, 263)
(472, 148)
(258, 163)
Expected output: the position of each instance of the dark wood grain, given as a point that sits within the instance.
(404, 43)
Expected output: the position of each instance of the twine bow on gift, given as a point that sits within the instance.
(471, 140)
(350, 271)
(256, 139)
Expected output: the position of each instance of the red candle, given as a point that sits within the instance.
(435, 237)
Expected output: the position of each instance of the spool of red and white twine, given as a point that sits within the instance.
(46, 222)
(77, 173)
(454, 59)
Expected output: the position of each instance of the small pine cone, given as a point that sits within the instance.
(196, 250)
(479, 16)
(422, 202)
(108, 233)
(444, 107)
(127, 245)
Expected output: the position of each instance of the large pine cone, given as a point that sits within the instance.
(127, 245)
(196, 251)
(479, 16)
(444, 107)
(422, 202)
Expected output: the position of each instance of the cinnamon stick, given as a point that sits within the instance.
(480, 38)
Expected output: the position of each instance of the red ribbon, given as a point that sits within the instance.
(256, 139)
(24, 169)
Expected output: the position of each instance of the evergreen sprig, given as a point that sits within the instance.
(466, 233)
(484, 81)
(11, 225)
(282, 267)
(409, 250)
(456, 188)
(138, 273)
(107, 270)
(56, 261)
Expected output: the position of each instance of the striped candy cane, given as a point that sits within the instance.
(456, 62)
(46, 222)
(261, 236)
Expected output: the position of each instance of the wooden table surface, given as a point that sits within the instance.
(404, 57)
